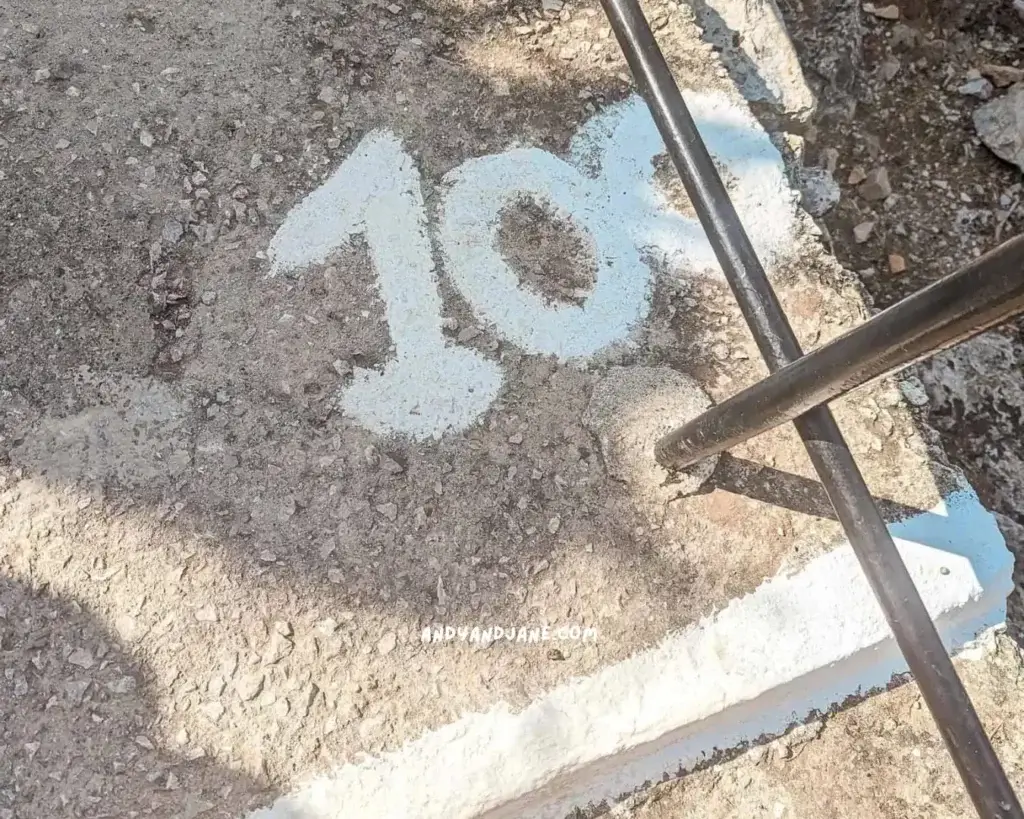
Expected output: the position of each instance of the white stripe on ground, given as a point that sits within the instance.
(797, 643)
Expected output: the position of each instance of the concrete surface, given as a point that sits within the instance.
(220, 541)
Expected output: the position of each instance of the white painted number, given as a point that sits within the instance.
(429, 386)
(480, 190)
(606, 189)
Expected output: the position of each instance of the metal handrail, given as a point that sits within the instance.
(915, 633)
(987, 292)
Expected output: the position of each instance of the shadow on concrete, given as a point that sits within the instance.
(81, 730)
(777, 488)
(279, 539)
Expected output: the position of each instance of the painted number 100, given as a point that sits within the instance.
(605, 188)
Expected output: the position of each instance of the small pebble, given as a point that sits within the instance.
(862, 231)
(388, 510)
(890, 12)
(876, 185)
(82, 658)
(980, 88)
(1003, 75)
(889, 69)
(387, 643)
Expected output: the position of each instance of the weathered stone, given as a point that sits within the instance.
(81, 657)
(897, 264)
(387, 643)
(890, 12)
(757, 50)
(978, 87)
(1000, 124)
(1003, 75)
(862, 231)
(819, 191)
(172, 232)
(876, 185)
(889, 69)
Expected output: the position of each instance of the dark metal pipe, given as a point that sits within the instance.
(987, 292)
(915, 633)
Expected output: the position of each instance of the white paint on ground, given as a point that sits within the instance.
(797, 643)
(429, 387)
(606, 190)
(622, 141)
(480, 190)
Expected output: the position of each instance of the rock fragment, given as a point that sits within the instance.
(172, 232)
(876, 186)
(387, 643)
(82, 658)
(1000, 125)
(862, 231)
(889, 69)
(819, 191)
(388, 510)
(890, 12)
(897, 264)
(1002, 75)
(978, 87)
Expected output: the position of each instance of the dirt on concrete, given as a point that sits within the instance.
(184, 513)
(880, 759)
(547, 252)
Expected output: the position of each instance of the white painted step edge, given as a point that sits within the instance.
(797, 643)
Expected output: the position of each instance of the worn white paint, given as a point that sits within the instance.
(480, 190)
(429, 386)
(606, 189)
(622, 142)
(797, 643)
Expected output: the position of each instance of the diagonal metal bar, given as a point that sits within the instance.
(987, 292)
(941, 688)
